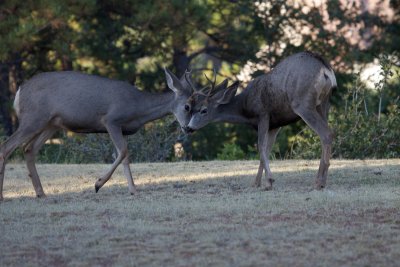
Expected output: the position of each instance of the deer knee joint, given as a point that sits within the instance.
(2, 160)
(123, 153)
(328, 138)
(28, 149)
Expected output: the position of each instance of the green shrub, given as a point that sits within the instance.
(363, 127)
(154, 142)
(231, 151)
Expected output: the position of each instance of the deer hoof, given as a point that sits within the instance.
(42, 195)
(133, 191)
(98, 185)
(268, 188)
(256, 183)
(319, 187)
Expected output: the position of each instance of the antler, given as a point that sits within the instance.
(203, 91)
(188, 72)
(211, 82)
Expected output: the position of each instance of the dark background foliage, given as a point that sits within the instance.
(241, 39)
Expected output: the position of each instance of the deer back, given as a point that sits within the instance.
(301, 79)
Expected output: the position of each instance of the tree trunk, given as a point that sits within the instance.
(181, 61)
(66, 63)
(5, 116)
(10, 79)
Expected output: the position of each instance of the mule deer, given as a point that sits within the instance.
(85, 103)
(298, 87)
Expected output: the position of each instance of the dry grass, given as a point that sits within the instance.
(204, 213)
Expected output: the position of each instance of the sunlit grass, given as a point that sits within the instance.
(203, 213)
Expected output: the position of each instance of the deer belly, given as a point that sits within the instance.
(281, 119)
(79, 125)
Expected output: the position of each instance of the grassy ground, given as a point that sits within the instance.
(204, 213)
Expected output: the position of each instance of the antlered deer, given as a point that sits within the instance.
(298, 87)
(85, 103)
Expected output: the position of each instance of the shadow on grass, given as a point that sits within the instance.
(216, 183)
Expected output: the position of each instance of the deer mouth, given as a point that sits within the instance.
(187, 130)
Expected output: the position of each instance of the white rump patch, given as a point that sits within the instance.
(331, 77)
(325, 82)
(16, 102)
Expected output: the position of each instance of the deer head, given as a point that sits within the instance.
(207, 104)
(183, 89)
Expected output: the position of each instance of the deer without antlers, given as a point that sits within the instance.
(88, 104)
(298, 87)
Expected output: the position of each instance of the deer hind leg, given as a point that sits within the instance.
(30, 151)
(318, 122)
(270, 142)
(122, 150)
(21, 136)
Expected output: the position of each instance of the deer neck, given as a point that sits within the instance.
(157, 106)
(234, 112)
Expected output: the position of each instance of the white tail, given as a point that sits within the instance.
(16, 102)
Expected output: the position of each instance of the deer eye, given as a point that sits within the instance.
(187, 107)
(203, 111)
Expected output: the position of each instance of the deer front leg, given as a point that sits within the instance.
(122, 150)
(320, 126)
(268, 174)
(257, 181)
(263, 147)
(270, 142)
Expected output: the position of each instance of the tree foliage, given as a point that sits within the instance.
(132, 40)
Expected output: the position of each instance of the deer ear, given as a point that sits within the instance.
(173, 82)
(225, 96)
(222, 86)
(219, 91)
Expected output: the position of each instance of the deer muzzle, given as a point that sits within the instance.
(187, 130)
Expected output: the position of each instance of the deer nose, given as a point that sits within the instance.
(187, 129)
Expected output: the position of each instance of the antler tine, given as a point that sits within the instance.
(201, 91)
(215, 75)
(211, 82)
(188, 81)
(209, 92)
(215, 81)
(205, 75)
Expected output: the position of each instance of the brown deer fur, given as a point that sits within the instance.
(299, 87)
